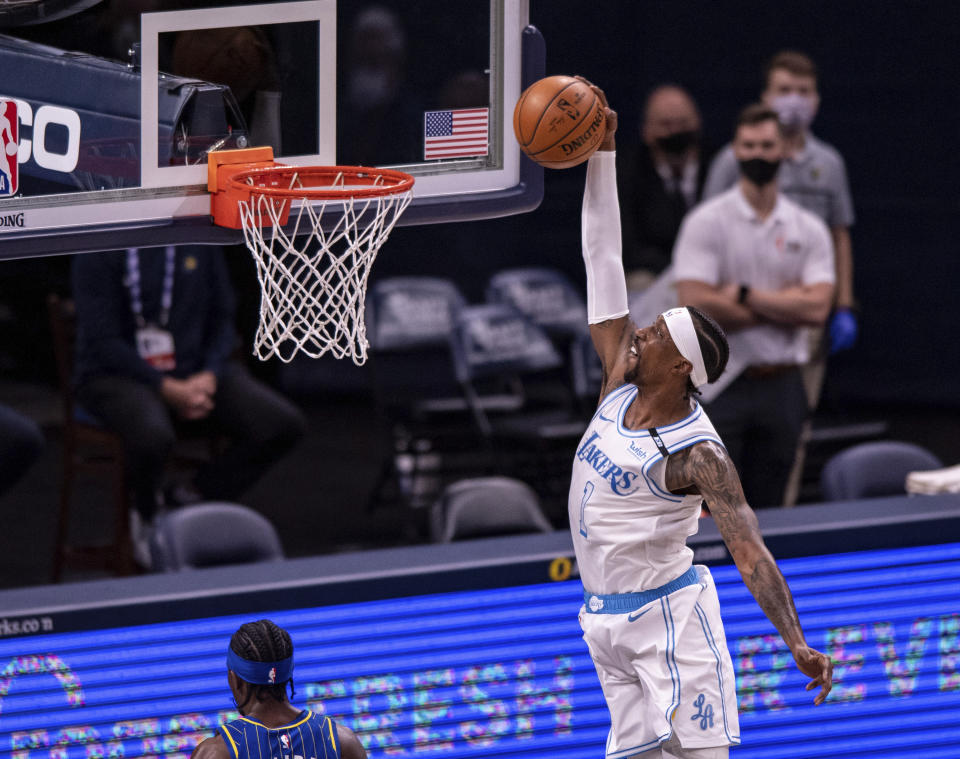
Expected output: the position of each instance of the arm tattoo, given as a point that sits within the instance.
(708, 468)
(773, 596)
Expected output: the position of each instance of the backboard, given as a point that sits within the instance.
(101, 148)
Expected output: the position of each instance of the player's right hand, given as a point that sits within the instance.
(610, 115)
(818, 666)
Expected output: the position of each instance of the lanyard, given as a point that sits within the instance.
(133, 282)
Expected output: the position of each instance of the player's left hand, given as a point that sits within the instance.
(818, 666)
(843, 330)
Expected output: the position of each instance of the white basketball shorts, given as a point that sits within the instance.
(664, 666)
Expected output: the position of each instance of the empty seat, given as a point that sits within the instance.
(496, 350)
(486, 506)
(551, 301)
(543, 294)
(408, 321)
(212, 534)
(871, 470)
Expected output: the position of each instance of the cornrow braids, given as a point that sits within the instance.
(713, 346)
(264, 641)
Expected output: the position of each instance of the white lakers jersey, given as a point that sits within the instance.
(629, 531)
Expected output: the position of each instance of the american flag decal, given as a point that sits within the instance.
(455, 134)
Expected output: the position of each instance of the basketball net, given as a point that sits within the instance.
(314, 232)
(313, 287)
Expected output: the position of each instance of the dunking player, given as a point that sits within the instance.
(650, 454)
(260, 665)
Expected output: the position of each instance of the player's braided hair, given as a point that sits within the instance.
(264, 641)
(713, 346)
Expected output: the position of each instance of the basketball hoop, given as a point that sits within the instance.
(326, 225)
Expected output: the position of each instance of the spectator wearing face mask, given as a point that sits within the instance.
(762, 266)
(660, 181)
(813, 174)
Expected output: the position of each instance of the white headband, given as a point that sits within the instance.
(680, 324)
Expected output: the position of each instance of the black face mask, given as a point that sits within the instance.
(678, 142)
(759, 170)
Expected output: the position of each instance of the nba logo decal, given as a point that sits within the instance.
(9, 146)
(272, 675)
(285, 741)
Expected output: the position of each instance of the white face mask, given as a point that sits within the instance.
(796, 111)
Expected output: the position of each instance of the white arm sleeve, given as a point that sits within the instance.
(602, 246)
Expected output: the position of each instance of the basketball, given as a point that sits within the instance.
(11, 148)
(559, 122)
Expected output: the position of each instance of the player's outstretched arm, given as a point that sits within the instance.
(707, 468)
(350, 745)
(602, 248)
(211, 748)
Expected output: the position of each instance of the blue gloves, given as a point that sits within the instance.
(843, 330)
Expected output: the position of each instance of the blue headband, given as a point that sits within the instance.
(260, 672)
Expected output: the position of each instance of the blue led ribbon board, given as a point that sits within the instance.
(504, 672)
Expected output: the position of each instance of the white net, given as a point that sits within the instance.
(313, 272)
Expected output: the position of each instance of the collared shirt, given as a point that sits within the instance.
(723, 241)
(815, 178)
(686, 183)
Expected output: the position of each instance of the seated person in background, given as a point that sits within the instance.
(762, 266)
(155, 335)
(21, 441)
(660, 181)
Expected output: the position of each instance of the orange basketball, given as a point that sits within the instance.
(559, 122)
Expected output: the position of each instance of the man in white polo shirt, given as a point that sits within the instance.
(763, 267)
(814, 175)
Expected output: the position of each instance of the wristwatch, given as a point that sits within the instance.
(743, 294)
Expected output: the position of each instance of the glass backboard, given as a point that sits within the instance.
(107, 114)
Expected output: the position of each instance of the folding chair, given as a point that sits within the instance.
(212, 534)
(872, 470)
(543, 294)
(498, 350)
(484, 507)
(409, 320)
(547, 297)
